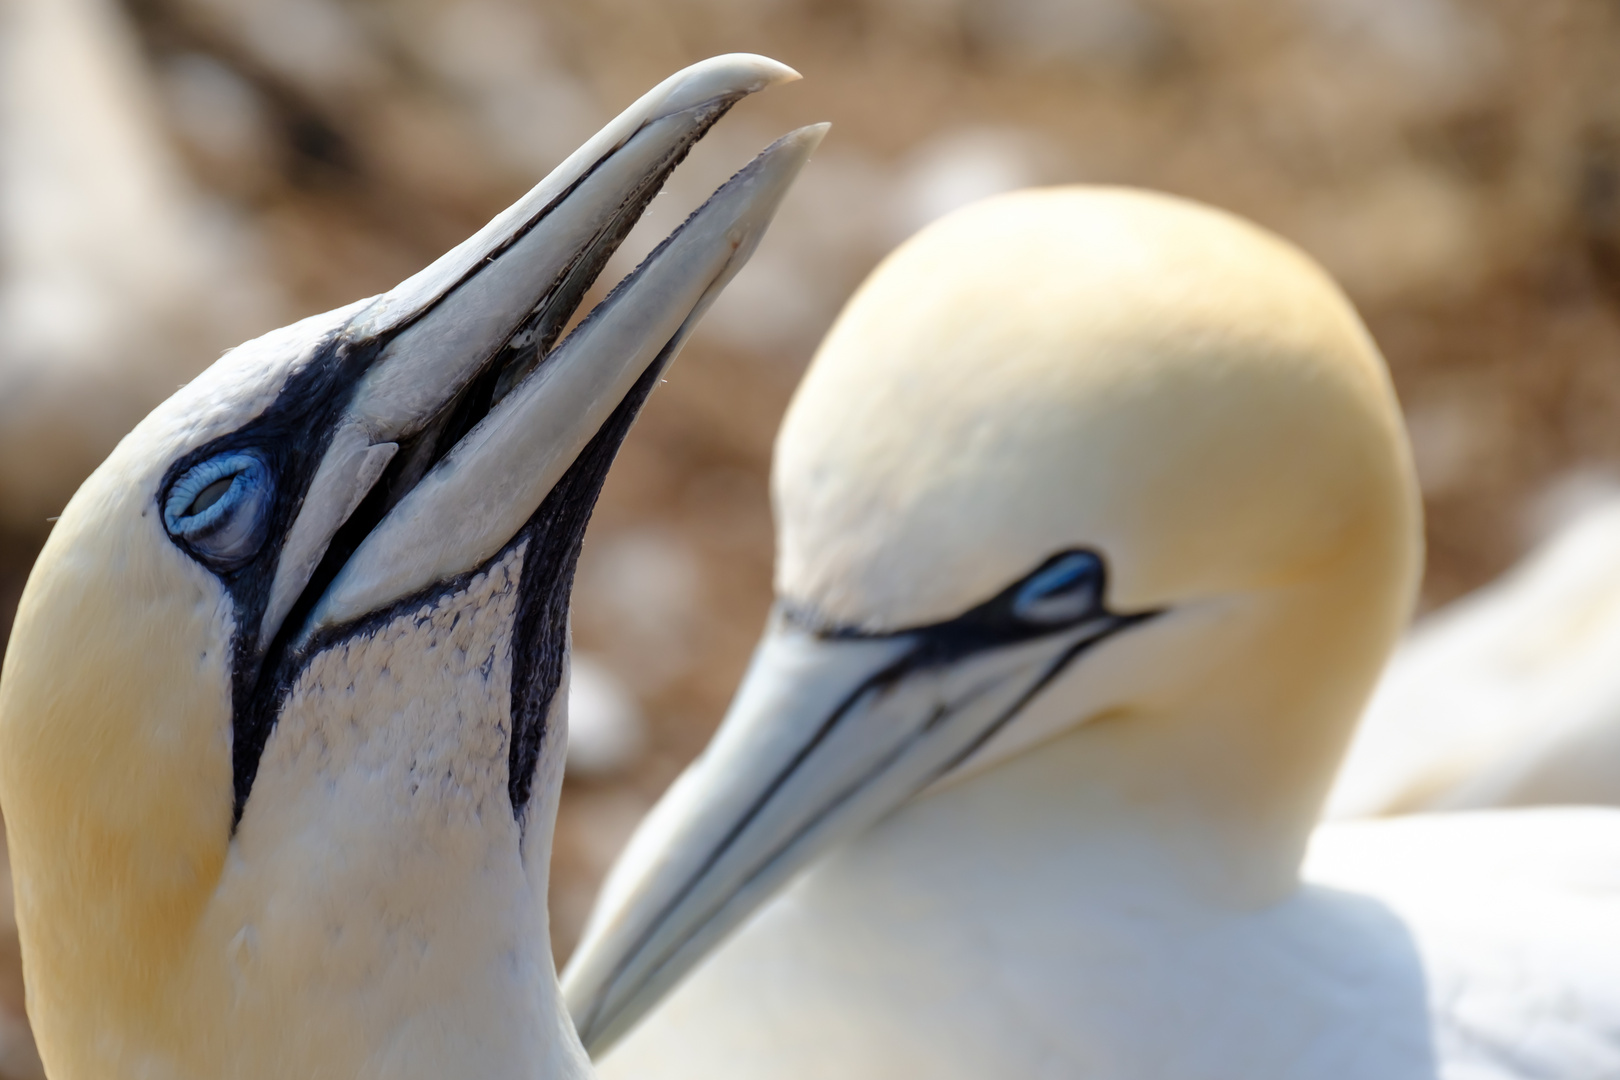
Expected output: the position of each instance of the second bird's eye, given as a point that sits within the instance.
(1068, 587)
(220, 508)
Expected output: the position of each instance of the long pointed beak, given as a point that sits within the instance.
(453, 342)
(465, 424)
(828, 733)
(475, 498)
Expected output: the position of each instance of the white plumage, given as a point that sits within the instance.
(1096, 525)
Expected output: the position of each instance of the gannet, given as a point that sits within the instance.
(1507, 697)
(280, 732)
(1096, 521)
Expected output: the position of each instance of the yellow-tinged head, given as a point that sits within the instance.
(1165, 386)
(115, 746)
(1097, 494)
(281, 710)
(1103, 367)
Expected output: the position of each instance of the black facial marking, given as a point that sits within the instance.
(555, 534)
(996, 623)
(293, 434)
(999, 622)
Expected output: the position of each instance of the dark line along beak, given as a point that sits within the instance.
(474, 500)
(827, 734)
(466, 333)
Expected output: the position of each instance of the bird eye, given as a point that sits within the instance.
(1068, 587)
(220, 508)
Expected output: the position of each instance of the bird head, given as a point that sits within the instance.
(1084, 466)
(282, 710)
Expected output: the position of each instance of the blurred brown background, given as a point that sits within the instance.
(176, 175)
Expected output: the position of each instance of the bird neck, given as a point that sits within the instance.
(379, 911)
(355, 961)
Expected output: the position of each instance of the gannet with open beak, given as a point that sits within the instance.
(280, 720)
(1096, 523)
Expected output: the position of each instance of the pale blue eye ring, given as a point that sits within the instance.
(220, 508)
(1067, 589)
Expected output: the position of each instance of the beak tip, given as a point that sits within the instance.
(779, 164)
(763, 70)
(733, 75)
(751, 198)
(809, 136)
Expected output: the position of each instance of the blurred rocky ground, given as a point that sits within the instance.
(176, 175)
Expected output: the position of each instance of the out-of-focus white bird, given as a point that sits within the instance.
(605, 727)
(1096, 524)
(114, 286)
(282, 720)
(1508, 697)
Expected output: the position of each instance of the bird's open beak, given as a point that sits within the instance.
(829, 732)
(465, 416)
(458, 416)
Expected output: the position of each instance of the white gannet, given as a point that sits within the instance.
(1507, 697)
(279, 753)
(1096, 523)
